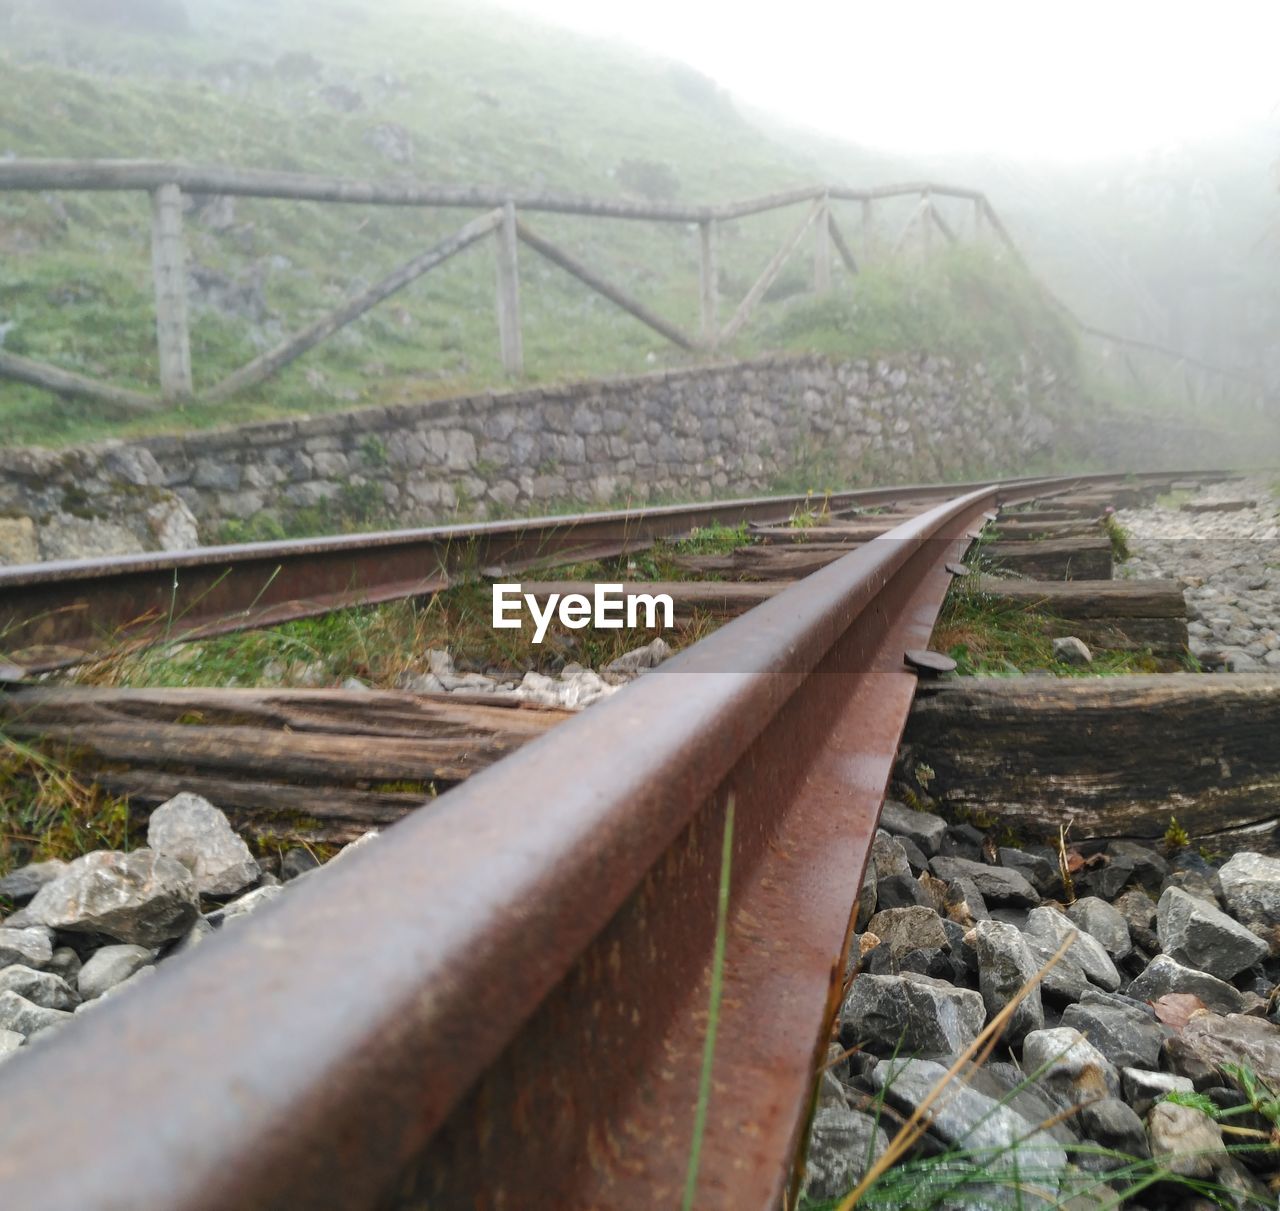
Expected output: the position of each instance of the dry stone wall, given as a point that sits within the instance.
(723, 430)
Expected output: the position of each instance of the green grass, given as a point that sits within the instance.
(989, 637)
(1119, 536)
(963, 303)
(48, 811)
(485, 98)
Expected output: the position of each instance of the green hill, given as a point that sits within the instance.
(451, 93)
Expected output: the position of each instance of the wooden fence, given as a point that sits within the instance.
(503, 220)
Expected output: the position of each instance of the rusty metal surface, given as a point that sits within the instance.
(56, 614)
(501, 1003)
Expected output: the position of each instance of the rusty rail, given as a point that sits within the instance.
(60, 613)
(501, 1003)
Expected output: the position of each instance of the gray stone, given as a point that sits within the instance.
(1251, 889)
(141, 897)
(110, 966)
(924, 829)
(968, 1119)
(1007, 1083)
(30, 946)
(1064, 982)
(907, 929)
(17, 535)
(1237, 1039)
(1004, 966)
(41, 988)
(1051, 928)
(297, 861)
(21, 884)
(1113, 1124)
(199, 930)
(247, 904)
(868, 897)
(1128, 1037)
(24, 1017)
(900, 891)
(143, 973)
(1196, 933)
(842, 1144)
(194, 832)
(964, 902)
(1144, 863)
(1183, 1058)
(1185, 1141)
(889, 856)
(912, 1014)
(1165, 974)
(1099, 919)
(10, 1041)
(1070, 650)
(1143, 1088)
(998, 884)
(1038, 871)
(1139, 912)
(65, 963)
(1068, 1067)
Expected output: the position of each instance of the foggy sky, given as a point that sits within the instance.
(1020, 77)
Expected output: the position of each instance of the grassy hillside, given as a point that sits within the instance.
(447, 92)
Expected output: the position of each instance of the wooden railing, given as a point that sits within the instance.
(168, 182)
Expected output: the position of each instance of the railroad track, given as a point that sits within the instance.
(503, 1003)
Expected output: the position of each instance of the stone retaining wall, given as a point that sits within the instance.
(723, 430)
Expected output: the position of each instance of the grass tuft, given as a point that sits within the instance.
(47, 811)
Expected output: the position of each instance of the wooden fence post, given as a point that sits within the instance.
(169, 272)
(509, 334)
(709, 281)
(822, 249)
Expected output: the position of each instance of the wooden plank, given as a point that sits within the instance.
(510, 337)
(769, 201)
(822, 250)
(574, 267)
(766, 279)
(709, 281)
(841, 245)
(1165, 639)
(1014, 529)
(1114, 756)
(1092, 598)
(764, 563)
(263, 367)
(259, 805)
(288, 755)
(387, 713)
(836, 532)
(313, 187)
(1061, 513)
(1054, 559)
(942, 225)
(74, 386)
(917, 216)
(169, 274)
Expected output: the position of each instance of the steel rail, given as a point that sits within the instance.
(61, 613)
(502, 1002)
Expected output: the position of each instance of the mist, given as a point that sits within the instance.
(1131, 153)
